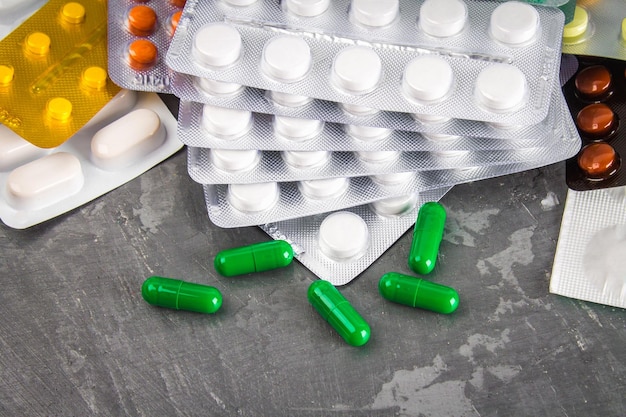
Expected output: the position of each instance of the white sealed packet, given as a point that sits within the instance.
(338, 246)
(131, 134)
(481, 60)
(590, 261)
(208, 126)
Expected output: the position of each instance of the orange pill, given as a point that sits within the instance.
(174, 19)
(141, 20)
(598, 161)
(142, 54)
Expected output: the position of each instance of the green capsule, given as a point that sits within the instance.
(181, 295)
(417, 292)
(337, 311)
(258, 257)
(427, 235)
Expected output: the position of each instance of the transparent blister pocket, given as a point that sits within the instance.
(470, 75)
(130, 135)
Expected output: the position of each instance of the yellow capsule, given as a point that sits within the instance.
(38, 43)
(59, 108)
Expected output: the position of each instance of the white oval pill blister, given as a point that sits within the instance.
(134, 132)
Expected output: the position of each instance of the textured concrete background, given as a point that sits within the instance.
(77, 339)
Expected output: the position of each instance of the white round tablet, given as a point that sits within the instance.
(377, 157)
(367, 133)
(395, 206)
(232, 160)
(442, 18)
(306, 159)
(217, 45)
(396, 178)
(253, 197)
(430, 118)
(225, 122)
(427, 79)
(286, 58)
(324, 188)
(217, 88)
(356, 69)
(439, 137)
(500, 88)
(356, 110)
(514, 23)
(307, 8)
(240, 2)
(375, 13)
(343, 235)
(289, 100)
(297, 129)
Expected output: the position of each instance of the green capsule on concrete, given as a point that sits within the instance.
(181, 295)
(427, 235)
(417, 292)
(337, 311)
(258, 257)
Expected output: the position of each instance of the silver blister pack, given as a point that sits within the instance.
(589, 262)
(208, 126)
(367, 234)
(499, 64)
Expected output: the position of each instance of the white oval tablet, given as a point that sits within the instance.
(393, 179)
(253, 197)
(427, 79)
(217, 45)
(127, 140)
(297, 129)
(307, 8)
(430, 118)
(324, 188)
(356, 69)
(289, 100)
(240, 2)
(226, 123)
(395, 206)
(45, 181)
(378, 156)
(375, 13)
(343, 235)
(305, 159)
(15, 150)
(442, 18)
(500, 87)
(234, 160)
(514, 23)
(367, 133)
(356, 110)
(286, 58)
(217, 88)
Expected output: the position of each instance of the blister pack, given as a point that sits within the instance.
(131, 134)
(139, 36)
(479, 60)
(589, 262)
(14, 12)
(339, 246)
(53, 76)
(209, 126)
(598, 29)
(596, 96)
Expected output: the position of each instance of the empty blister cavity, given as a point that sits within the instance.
(226, 123)
(428, 79)
(306, 8)
(442, 18)
(343, 236)
(305, 159)
(286, 58)
(217, 88)
(374, 13)
(45, 181)
(253, 197)
(395, 206)
(356, 70)
(235, 160)
(514, 23)
(500, 88)
(366, 133)
(296, 129)
(217, 45)
(325, 188)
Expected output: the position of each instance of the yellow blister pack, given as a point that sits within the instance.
(53, 76)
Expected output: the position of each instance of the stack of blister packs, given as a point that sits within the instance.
(295, 109)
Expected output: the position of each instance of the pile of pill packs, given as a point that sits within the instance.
(329, 124)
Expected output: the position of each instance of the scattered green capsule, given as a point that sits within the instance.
(254, 258)
(417, 292)
(427, 235)
(337, 311)
(181, 295)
